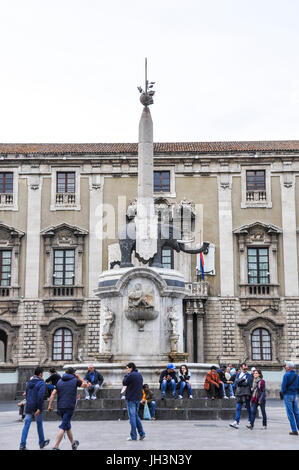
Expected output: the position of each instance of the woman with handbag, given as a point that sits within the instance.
(258, 398)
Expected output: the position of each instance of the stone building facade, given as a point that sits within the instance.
(60, 210)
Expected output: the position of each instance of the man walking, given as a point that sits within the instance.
(35, 391)
(94, 380)
(134, 381)
(289, 391)
(243, 384)
(66, 389)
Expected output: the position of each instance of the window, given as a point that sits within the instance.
(3, 346)
(5, 268)
(64, 267)
(258, 266)
(261, 345)
(62, 345)
(6, 183)
(161, 181)
(255, 180)
(65, 182)
(167, 258)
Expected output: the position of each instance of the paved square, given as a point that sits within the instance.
(160, 435)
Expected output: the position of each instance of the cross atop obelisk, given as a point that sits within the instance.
(146, 221)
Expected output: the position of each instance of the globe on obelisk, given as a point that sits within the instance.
(146, 220)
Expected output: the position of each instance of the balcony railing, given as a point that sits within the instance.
(259, 290)
(197, 289)
(6, 199)
(66, 199)
(63, 291)
(256, 196)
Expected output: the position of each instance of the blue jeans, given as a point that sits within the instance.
(135, 422)
(263, 410)
(183, 385)
(230, 387)
(39, 426)
(291, 404)
(239, 409)
(168, 383)
(152, 406)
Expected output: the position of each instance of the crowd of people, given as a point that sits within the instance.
(247, 388)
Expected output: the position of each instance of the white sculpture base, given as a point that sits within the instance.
(142, 333)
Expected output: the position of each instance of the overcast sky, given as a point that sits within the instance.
(224, 69)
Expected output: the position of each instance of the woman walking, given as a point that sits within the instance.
(258, 398)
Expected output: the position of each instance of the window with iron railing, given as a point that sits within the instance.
(261, 345)
(65, 187)
(64, 268)
(6, 188)
(5, 268)
(256, 186)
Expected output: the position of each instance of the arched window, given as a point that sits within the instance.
(62, 345)
(261, 345)
(3, 346)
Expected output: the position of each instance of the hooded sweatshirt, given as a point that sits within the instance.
(67, 391)
(35, 391)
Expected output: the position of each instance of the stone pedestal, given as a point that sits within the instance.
(146, 304)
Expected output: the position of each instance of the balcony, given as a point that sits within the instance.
(259, 290)
(197, 289)
(256, 196)
(65, 199)
(63, 299)
(6, 199)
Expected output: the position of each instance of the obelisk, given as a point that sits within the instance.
(146, 220)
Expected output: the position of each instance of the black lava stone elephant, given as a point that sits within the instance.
(168, 236)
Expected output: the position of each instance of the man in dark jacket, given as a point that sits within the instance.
(66, 389)
(243, 383)
(289, 391)
(52, 380)
(134, 381)
(35, 391)
(167, 379)
(94, 380)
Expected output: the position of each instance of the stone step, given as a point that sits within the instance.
(171, 403)
(115, 393)
(161, 414)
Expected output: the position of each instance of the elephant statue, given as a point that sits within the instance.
(169, 236)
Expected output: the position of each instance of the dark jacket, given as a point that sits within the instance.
(53, 379)
(243, 385)
(67, 392)
(184, 377)
(222, 376)
(172, 374)
(133, 382)
(286, 388)
(35, 391)
(98, 378)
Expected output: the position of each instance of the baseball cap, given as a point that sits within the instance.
(170, 366)
(253, 369)
(70, 370)
(290, 364)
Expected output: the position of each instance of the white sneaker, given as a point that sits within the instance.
(232, 396)
(225, 398)
(180, 397)
(191, 397)
(93, 398)
(234, 425)
(87, 398)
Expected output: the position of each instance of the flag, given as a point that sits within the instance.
(202, 265)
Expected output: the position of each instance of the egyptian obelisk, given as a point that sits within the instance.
(146, 221)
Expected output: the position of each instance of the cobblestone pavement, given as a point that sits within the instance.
(160, 435)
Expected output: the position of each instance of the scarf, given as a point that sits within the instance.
(255, 387)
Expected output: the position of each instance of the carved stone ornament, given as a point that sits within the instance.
(141, 306)
(173, 317)
(108, 320)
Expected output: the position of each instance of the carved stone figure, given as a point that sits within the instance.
(173, 317)
(138, 298)
(108, 321)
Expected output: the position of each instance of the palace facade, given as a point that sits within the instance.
(60, 210)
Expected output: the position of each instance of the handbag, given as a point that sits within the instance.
(146, 412)
(281, 394)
